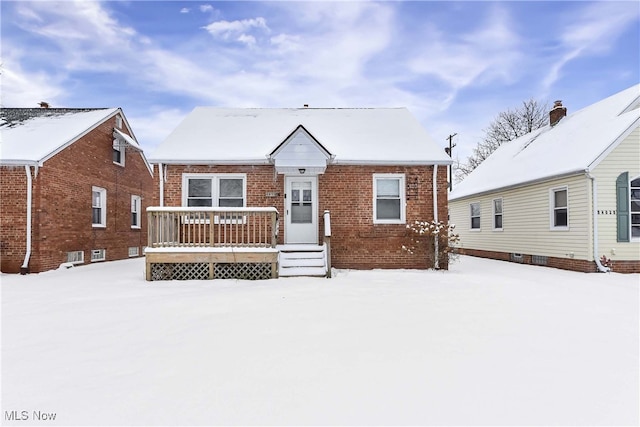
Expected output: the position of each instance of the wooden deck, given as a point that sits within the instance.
(208, 243)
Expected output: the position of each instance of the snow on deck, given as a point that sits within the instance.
(487, 343)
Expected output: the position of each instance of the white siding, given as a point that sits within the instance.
(624, 158)
(525, 220)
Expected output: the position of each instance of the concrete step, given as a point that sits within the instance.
(302, 271)
(301, 262)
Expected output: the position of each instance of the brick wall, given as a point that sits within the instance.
(62, 215)
(346, 191)
(13, 212)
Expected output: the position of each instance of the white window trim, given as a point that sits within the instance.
(493, 211)
(215, 177)
(137, 199)
(119, 144)
(403, 199)
(552, 207)
(479, 216)
(102, 252)
(118, 121)
(134, 251)
(215, 187)
(79, 261)
(103, 208)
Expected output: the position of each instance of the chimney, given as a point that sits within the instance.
(44, 104)
(557, 113)
(306, 105)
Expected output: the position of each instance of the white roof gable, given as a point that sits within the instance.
(352, 135)
(300, 151)
(36, 139)
(575, 144)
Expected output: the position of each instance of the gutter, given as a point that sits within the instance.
(519, 184)
(24, 269)
(594, 201)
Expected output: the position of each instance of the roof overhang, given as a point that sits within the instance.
(122, 138)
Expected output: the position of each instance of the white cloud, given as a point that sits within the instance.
(22, 88)
(206, 8)
(237, 30)
(490, 52)
(185, 10)
(591, 32)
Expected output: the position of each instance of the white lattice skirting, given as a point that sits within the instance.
(205, 270)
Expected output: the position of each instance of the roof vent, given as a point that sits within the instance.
(306, 105)
(44, 104)
(557, 113)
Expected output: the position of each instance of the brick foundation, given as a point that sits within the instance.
(561, 263)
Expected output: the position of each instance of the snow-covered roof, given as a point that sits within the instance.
(575, 144)
(352, 135)
(32, 135)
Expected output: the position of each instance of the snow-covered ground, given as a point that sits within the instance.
(488, 342)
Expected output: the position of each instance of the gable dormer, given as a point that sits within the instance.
(300, 153)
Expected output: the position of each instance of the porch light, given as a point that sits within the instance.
(302, 170)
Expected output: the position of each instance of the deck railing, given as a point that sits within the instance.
(212, 227)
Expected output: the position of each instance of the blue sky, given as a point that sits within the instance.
(455, 65)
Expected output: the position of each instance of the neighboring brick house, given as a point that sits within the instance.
(375, 170)
(566, 195)
(88, 183)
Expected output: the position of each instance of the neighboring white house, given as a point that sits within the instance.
(566, 195)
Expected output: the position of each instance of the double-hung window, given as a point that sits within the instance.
(474, 210)
(559, 202)
(497, 214)
(135, 211)
(389, 202)
(220, 190)
(99, 207)
(118, 152)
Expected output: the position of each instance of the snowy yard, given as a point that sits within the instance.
(487, 343)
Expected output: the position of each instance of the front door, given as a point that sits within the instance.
(301, 205)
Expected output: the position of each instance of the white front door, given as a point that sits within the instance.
(301, 205)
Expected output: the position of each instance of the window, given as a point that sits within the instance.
(634, 197)
(99, 207)
(135, 211)
(497, 214)
(134, 251)
(388, 199)
(222, 190)
(118, 152)
(75, 257)
(98, 255)
(559, 209)
(475, 215)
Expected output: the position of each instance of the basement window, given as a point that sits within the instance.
(134, 251)
(75, 257)
(98, 255)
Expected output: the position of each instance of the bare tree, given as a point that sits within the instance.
(507, 126)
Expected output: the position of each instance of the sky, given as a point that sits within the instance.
(454, 65)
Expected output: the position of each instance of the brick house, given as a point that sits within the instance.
(566, 195)
(373, 170)
(74, 184)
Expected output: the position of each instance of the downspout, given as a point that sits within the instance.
(436, 260)
(25, 265)
(594, 199)
(161, 178)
